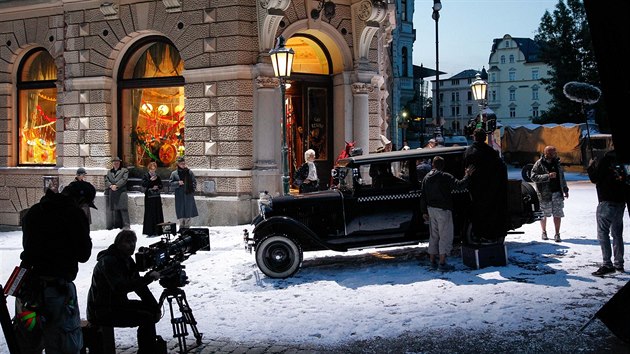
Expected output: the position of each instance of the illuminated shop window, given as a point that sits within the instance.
(37, 101)
(152, 105)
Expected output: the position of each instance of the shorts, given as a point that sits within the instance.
(554, 207)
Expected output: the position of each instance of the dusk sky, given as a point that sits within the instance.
(467, 28)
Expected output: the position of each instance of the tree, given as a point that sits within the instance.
(565, 45)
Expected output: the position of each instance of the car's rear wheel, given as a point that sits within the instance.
(278, 256)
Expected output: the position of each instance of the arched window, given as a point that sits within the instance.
(151, 104)
(37, 101)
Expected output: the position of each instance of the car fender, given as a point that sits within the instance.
(292, 227)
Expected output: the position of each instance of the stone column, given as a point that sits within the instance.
(267, 137)
(361, 115)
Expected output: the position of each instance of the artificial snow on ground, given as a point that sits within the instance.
(360, 295)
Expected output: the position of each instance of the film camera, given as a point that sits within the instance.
(166, 256)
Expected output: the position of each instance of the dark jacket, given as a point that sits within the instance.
(437, 189)
(148, 184)
(609, 187)
(114, 276)
(540, 176)
(56, 237)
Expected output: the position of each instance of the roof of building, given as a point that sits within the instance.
(466, 74)
(527, 46)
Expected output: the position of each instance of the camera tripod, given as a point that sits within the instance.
(186, 319)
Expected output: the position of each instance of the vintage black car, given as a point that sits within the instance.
(363, 209)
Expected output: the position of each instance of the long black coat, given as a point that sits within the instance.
(153, 213)
(488, 191)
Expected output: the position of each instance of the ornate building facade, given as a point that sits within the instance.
(84, 81)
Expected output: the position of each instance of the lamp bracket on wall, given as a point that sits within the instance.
(327, 6)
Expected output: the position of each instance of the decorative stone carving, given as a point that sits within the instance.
(267, 82)
(359, 88)
(270, 13)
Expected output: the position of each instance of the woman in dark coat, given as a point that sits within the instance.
(153, 214)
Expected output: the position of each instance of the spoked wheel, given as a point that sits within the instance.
(278, 256)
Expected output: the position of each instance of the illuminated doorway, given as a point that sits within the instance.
(309, 105)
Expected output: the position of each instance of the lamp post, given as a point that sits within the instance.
(437, 6)
(479, 88)
(282, 61)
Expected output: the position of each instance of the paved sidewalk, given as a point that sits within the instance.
(595, 339)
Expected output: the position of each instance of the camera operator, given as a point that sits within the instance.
(56, 237)
(115, 275)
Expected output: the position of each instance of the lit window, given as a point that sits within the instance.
(37, 100)
(152, 105)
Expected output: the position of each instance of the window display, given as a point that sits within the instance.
(153, 106)
(37, 129)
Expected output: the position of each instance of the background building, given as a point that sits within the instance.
(457, 104)
(83, 81)
(515, 92)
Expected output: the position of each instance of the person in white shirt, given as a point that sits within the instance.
(306, 175)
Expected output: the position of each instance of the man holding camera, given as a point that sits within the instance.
(115, 275)
(612, 190)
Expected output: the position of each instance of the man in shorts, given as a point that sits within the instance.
(552, 189)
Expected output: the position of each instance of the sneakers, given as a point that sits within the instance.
(544, 236)
(603, 270)
(557, 238)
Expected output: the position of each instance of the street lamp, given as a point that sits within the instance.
(437, 6)
(282, 61)
(479, 88)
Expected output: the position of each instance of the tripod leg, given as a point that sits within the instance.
(186, 311)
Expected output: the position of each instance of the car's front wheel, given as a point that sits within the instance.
(278, 256)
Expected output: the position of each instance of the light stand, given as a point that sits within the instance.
(437, 6)
(282, 61)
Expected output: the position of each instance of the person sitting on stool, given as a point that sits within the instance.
(115, 275)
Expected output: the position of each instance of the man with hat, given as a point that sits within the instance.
(116, 215)
(184, 183)
(87, 191)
